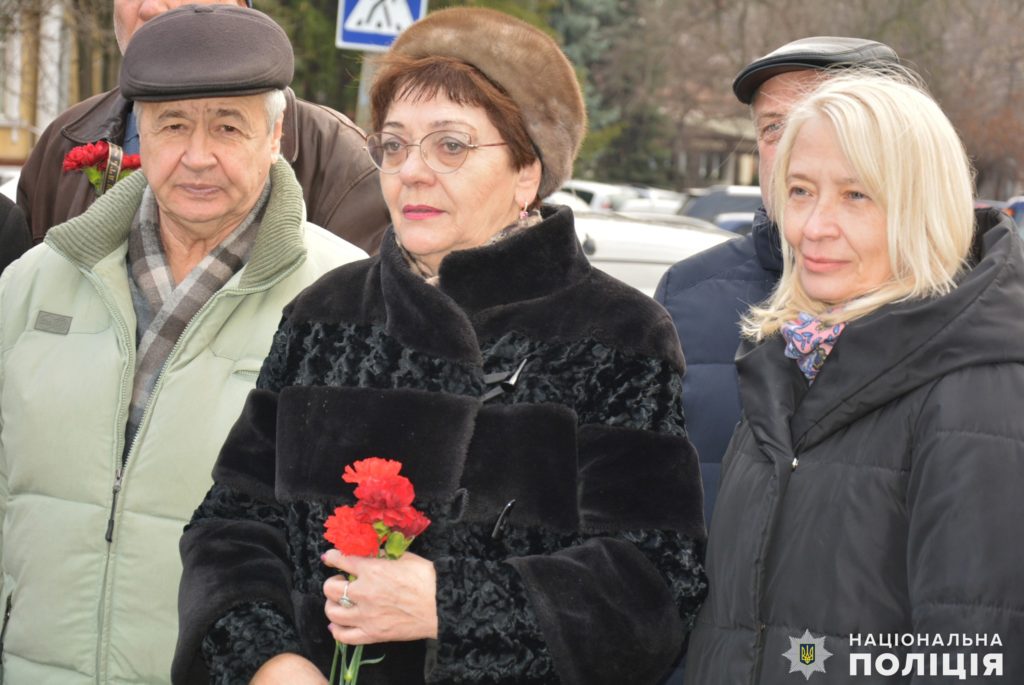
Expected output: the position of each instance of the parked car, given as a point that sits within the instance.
(740, 223)
(561, 197)
(639, 252)
(718, 200)
(658, 193)
(599, 196)
(657, 206)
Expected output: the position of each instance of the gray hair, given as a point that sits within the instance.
(274, 103)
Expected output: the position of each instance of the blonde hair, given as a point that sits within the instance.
(911, 162)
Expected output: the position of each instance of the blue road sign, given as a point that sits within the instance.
(374, 24)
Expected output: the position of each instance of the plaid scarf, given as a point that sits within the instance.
(164, 309)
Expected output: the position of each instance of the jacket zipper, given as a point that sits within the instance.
(119, 474)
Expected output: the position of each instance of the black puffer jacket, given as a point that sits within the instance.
(887, 498)
(597, 575)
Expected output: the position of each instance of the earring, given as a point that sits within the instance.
(523, 214)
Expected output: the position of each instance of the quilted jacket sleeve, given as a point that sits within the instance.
(965, 510)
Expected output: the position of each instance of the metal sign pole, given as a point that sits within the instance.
(366, 73)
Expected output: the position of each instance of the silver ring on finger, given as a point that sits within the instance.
(344, 599)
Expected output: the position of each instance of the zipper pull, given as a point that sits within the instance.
(113, 506)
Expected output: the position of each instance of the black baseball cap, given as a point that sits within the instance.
(817, 52)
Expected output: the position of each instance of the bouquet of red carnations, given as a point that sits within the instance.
(382, 523)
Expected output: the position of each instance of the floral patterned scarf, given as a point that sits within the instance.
(809, 342)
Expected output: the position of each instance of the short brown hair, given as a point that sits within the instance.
(422, 78)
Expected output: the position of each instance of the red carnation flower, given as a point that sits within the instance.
(90, 154)
(369, 468)
(410, 523)
(391, 492)
(351, 536)
(91, 160)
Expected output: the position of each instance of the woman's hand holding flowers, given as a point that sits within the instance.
(394, 600)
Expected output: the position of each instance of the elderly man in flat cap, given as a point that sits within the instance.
(708, 293)
(340, 185)
(128, 342)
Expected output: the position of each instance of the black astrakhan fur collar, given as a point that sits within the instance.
(530, 264)
(537, 282)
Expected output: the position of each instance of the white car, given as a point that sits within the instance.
(639, 252)
(665, 206)
(561, 197)
(599, 196)
(9, 186)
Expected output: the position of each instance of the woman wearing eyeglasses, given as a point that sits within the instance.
(533, 401)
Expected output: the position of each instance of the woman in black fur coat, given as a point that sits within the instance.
(533, 401)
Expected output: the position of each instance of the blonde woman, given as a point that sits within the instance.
(873, 487)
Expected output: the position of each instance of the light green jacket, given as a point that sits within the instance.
(80, 608)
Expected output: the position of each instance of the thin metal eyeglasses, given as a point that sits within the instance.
(442, 151)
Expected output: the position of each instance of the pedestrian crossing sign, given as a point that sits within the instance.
(374, 24)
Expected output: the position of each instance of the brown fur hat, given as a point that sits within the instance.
(526, 63)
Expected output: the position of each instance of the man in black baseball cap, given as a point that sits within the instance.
(772, 84)
(340, 186)
(706, 294)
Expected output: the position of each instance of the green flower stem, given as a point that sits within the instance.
(342, 651)
(351, 674)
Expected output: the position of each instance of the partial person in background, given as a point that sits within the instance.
(708, 293)
(873, 487)
(14, 236)
(128, 342)
(323, 147)
(532, 399)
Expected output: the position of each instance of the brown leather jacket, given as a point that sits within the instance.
(324, 148)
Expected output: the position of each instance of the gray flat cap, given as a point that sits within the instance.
(818, 52)
(202, 51)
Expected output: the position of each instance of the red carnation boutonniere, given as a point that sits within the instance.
(383, 523)
(92, 160)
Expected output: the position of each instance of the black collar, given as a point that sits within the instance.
(528, 265)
